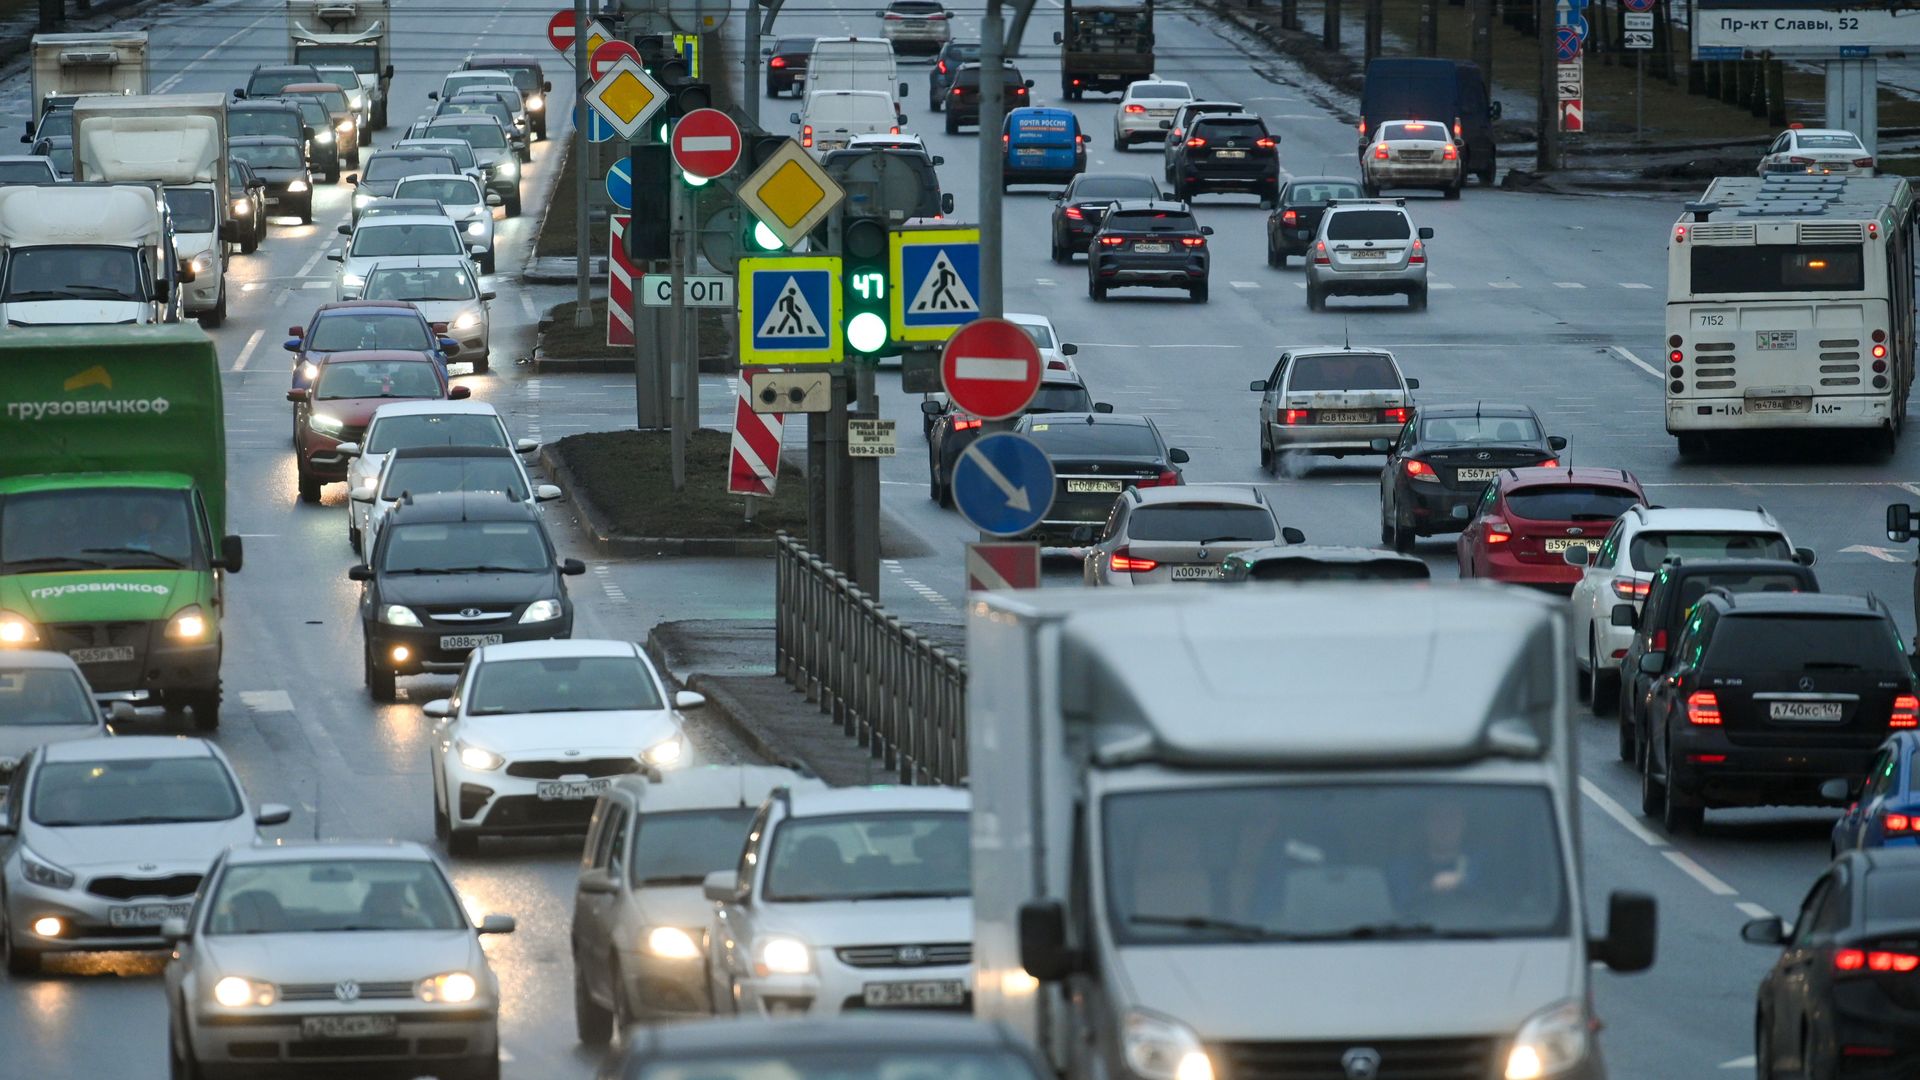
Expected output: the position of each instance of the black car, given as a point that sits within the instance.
(452, 572)
(1770, 696)
(1095, 457)
(1442, 460)
(1228, 152)
(1675, 588)
(1314, 562)
(249, 209)
(322, 142)
(1296, 216)
(1084, 203)
(1154, 244)
(268, 80)
(787, 65)
(950, 431)
(963, 96)
(1844, 981)
(946, 64)
(1186, 114)
(277, 161)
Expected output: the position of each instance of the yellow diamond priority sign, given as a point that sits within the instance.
(789, 193)
(626, 96)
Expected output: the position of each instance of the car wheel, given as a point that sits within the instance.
(1603, 686)
(483, 1069)
(1417, 300)
(218, 315)
(1386, 531)
(380, 680)
(442, 828)
(1628, 751)
(953, 123)
(1316, 299)
(1274, 258)
(1198, 294)
(353, 539)
(462, 844)
(933, 486)
(513, 204)
(1060, 253)
(1678, 812)
(19, 961)
(1653, 793)
(1096, 290)
(1266, 453)
(333, 174)
(482, 363)
(251, 244)
(309, 489)
(1403, 537)
(306, 212)
(592, 1023)
(1452, 191)
(181, 1064)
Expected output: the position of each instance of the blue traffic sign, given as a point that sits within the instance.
(790, 310)
(1566, 44)
(939, 282)
(598, 130)
(620, 184)
(1003, 484)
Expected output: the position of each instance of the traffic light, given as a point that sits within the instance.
(755, 237)
(648, 230)
(864, 284)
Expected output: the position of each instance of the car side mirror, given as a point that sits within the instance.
(793, 118)
(547, 493)
(449, 346)
(387, 72)
(1577, 555)
(1028, 84)
(1068, 348)
(297, 395)
(1556, 442)
(1103, 406)
(1380, 446)
(1494, 111)
(353, 179)
(1836, 791)
(459, 393)
(903, 93)
(1632, 930)
(1413, 384)
(477, 250)
(438, 708)
(233, 554)
(687, 699)
(1057, 39)
(572, 567)
(526, 446)
(433, 95)
(722, 886)
(348, 449)
(365, 494)
(1179, 456)
(173, 930)
(596, 883)
(1622, 616)
(335, 255)
(122, 712)
(239, 94)
(1768, 931)
(1206, 230)
(360, 573)
(494, 199)
(1804, 556)
(1652, 663)
(946, 200)
(932, 408)
(1292, 535)
(344, 229)
(938, 160)
(1257, 386)
(496, 924)
(488, 294)
(184, 273)
(1043, 941)
(1899, 522)
(273, 813)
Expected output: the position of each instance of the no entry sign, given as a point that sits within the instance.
(706, 143)
(560, 30)
(990, 368)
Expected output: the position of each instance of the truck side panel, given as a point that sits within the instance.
(105, 63)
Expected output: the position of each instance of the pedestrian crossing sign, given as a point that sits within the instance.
(789, 309)
(936, 274)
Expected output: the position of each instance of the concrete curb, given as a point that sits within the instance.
(610, 545)
(723, 706)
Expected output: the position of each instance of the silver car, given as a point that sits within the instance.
(464, 200)
(360, 955)
(447, 291)
(399, 236)
(1412, 154)
(1331, 401)
(1367, 247)
(103, 840)
(428, 470)
(1159, 535)
(639, 917)
(44, 699)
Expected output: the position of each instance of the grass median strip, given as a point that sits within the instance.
(627, 477)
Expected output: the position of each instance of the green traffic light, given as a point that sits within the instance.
(867, 332)
(765, 238)
(693, 181)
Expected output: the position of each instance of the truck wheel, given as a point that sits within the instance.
(309, 489)
(206, 708)
(380, 684)
(218, 315)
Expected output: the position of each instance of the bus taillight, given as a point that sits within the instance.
(1679, 234)
(1873, 230)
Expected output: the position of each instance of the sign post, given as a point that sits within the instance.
(1637, 34)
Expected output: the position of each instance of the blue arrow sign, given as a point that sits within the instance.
(1003, 484)
(620, 184)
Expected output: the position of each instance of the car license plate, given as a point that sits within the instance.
(1414, 155)
(1820, 711)
(1774, 340)
(106, 654)
(1475, 474)
(1229, 155)
(1366, 254)
(1779, 404)
(909, 995)
(1093, 487)
(1197, 573)
(1340, 416)
(570, 790)
(468, 641)
(348, 1027)
(121, 915)
(1152, 249)
(1030, 151)
(1561, 543)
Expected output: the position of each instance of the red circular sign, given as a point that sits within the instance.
(609, 54)
(990, 368)
(560, 30)
(706, 142)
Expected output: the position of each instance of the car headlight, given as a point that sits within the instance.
(476, 228)
(243, 207)
(352, 281)
(326, 423)
(478, 757)
(17, 630)
(507, 168)
(399, 615)
(666, 753)
(467, 320)
(536, 103)
(672, 943)
(1551, 1042)
(295, 187)
(785, 956)
(201, 263)
(356, 101)
(541, 611)
(344, 127)
(235, 992)
(360, 201)
(324, 138)
(188, 624)
(309, 371)
(453, 988)
(41, 872)
(1162, 1048)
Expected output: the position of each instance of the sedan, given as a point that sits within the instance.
(1151, 245)
(535, 731)
(1819, 151)
(390, 237)
(386, 168)
(1296, 216)
(351, 325)
(946, 64)
(1097, 456)
(1439, 466)
(1522, 527)
(1412, 153)
(447, 291)
(103, 840)
(1886, 812)
(347, 389)
(1055, 355)
(491, 150)
(462, 199)
(1081, 207)
(248, 210)
(487, 101)
(951, 431)
(361, 952)
(44, 699)
(1159, 535)
(916, 25)
(287, 186)
(1331, 401)
(1146, 109)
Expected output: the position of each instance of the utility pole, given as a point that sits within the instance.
(1429, 27)
(751, 86)
(582, 235)
(992, 108)
(1547, 109)
(676, 320)
(1483, 16)
(1370, 42)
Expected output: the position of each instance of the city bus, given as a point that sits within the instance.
(1790, 305)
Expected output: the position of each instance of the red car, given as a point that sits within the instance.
(347, 388)
(1528, 518)
(363, 324)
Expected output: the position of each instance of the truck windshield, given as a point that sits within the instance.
(364, 59)
(96, 528)
(1334, 862)
(870, 857)
(192, 209)
(73, 273)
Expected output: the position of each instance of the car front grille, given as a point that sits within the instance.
(125, 888)
(369, 991)
(591, 767)
(883, 956)
(1399, 1059)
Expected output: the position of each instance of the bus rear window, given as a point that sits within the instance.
(1778, 269)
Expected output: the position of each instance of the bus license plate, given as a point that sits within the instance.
(1779, 404)
(1776, 340)
(1823, 711)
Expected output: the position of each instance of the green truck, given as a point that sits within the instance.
(113, 508)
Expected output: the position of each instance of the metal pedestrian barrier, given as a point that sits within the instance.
(901, 696)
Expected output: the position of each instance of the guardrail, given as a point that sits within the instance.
(898, 694)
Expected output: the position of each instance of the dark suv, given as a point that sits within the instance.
(1770, 696)
(787, 66)
(963, 97)
(1153, 244)
(1676, 587)
(946, 65)
(452, 572)
(1230, 152)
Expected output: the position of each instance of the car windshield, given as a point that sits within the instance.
(423, 475)
(74, 273)
(268, 83)
(45, 697)
(1149, 221)
(1369, 225)
(1115, 187)
(1829, 142)
(1334, 862)
(525, 79)
(1040, 333)
(1346, 371)
(447, 191)
(419, 283)
(347, 80)
(98, 528)
(374, 241)
(1305, 569)
(845, 1064)
(893, 855)
(326, 896)
(563, 684)
(1412, 131)
(1454, 430)
(135, 791)
(54, 122)
(1649, 549)
(1796, 643)
(25, 172)
(192, 209)
(269, 155)
(1081, 439)
(1200, 524)
(481, 108)
(402, 330)
(682, 847)
(376, 379)
(457, 149)
(486, 136)
(1570, 502)
(1060, 397)
(450, 429)
(1319, 193)
(400, 166)
(460, 546)
(463, 82)
(314, 115)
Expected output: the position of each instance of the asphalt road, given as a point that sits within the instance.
(1553, 301)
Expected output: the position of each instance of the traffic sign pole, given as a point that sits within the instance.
(582, 236)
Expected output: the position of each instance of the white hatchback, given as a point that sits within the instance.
(427, 470)
(418, 423)
(1144, 108)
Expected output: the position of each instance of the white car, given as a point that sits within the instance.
(1411, 153)
(1618, 573)
(1822, 151)
(464, 200)
(447, 291)
(536, 731)
(846, 899)
(1055, 355)
(428, 470)
(1143, 107)
(460, 150)
(394, 237)
(419, 423)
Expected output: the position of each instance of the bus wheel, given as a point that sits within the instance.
(1693, 445)
(1885, 440)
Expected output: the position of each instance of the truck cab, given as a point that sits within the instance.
(1104, 47)
(87, 253)
(350, 32)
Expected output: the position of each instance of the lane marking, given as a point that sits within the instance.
(1626, 354)
(1440, 285)
(1503, 284)
(1747, 1062)
(316, 284)
(246, 353)
(195, 62)
(307, 267)
(1883, 554)
(1244, 284)
(526, 305)
(1568, 285)
(1699, 873)
(1752, 910)
(267, 701)
(1635, 285)
(1619, 813)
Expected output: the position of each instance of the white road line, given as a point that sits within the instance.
(1568, 285)
(526, 305)
(1910, 489)
(1626, 354)
(195, 62)
(316, 284)
(1747, 1062)
(1752, 910)
(252, 286)
(246, 353)
(1440, 285)
(1635, 285)
(1244, 284)
(307, 267)
(1503, 284)
(265, 701)
(1699, 873)
(1621, 814)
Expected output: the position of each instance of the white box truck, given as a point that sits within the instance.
(351, 32)
(80, 253)
(180, 142)
(1319, 830)
(114, 62)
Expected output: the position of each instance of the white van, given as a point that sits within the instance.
(854, 63)
(831, 118)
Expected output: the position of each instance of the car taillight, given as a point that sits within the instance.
(1420, 470)
(806, 136)
(1019, 91)
(1136, 108)
(966, 425)
(943, 67)
(1167, 478)
(1196, 142)
(1419, 253)
(1395, 415)
(1112, 241)
(1863, 163)
(1295, 416)
(1851, 960)
(1290, 218)
(895, 130)
(777, 62)
(1123, 563)
(956, 91)
(1553, 463)
(1906, 712)
(1057, 365)
(1193, 241)
(1320, 257)
(1266, 144)
(1380, 151)
(1799, 161)
(1896, 823)
(1703, 707)
(1659, 642)
(1456, 127)
(1363, 125)
(1451, 153)
(1629, 589)
(1073, 213)
(1498, 532)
